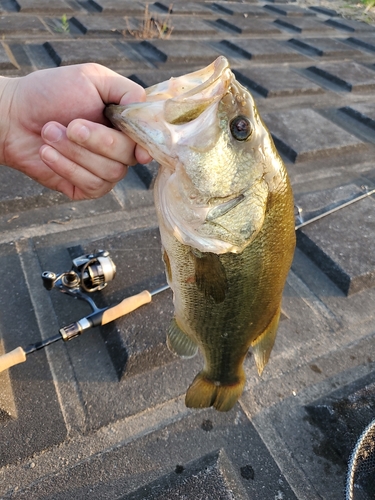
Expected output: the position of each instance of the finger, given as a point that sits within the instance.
(114, 88)
(103, 167)
(91, 185)
(141, 155)
(102, 140)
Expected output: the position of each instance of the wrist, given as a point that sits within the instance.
(7, 89)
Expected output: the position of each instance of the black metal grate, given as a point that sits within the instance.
(361, 469)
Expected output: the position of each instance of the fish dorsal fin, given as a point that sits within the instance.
(262, 345)
(179, 343)
(210, 275)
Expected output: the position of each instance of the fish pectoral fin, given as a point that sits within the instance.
(210, 276)
(262, 345)
(167, 264)
(179, 343)
(204, 392)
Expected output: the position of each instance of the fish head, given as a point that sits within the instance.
(217, 156)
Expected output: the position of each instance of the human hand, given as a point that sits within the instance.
(53, 129)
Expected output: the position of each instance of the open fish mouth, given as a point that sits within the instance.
(186, 97)
(178, 101)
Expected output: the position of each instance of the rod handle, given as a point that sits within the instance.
(12, 358)
(126, 306)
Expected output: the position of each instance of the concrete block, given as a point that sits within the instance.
(314, 202)
(324, 47)
(137, 342)
(213, 474)
(68, 52)
(350, 76)
(46, 7)
(102, 26)
(184, 8)
(20, 193)
(204, 455)
(363, 112)
(342, 256)
(280, 1)
(304, 25)
(323, 10)
(263, 49)
(177, 53)
(31, 420)
(7, 60)
(247, 26)
(119, 7)
(14, 25)
(277, 82)
(240, 9)
(367, 42)
(295, 134)
(289, 10)
(349, 25)
(190, 26)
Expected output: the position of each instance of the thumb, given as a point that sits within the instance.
(133, 93)
(115, 88)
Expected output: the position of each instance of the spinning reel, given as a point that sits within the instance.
(89, 273)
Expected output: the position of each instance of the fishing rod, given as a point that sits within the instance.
(89, 273)
(332, 210)
(92, 272)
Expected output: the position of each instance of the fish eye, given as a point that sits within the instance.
(240, 128)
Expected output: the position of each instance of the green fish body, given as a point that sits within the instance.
(226, 217)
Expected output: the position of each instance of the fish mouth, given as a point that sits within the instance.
(186, 97)
(158, 123)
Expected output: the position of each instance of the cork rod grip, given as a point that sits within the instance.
(126, 306)
(12, 358)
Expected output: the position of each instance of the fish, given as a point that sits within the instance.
(226, 217)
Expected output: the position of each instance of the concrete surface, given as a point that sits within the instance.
(103, 416)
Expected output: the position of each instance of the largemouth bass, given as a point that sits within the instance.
(226, 217)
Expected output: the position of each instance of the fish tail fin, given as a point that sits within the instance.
(204, 392)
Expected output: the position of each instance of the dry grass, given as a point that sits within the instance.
(369, 4)
(152, 26)
(358, 10)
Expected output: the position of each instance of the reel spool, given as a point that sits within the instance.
(89, 273)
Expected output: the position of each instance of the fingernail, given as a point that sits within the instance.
(80, 132)
(49, 155)
(52, 133)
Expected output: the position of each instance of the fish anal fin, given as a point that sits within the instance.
(179, 343)
(262, 345)
(205, 392)
(210, 276)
